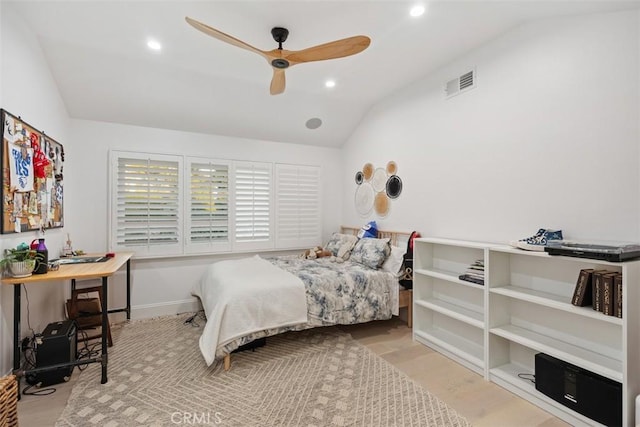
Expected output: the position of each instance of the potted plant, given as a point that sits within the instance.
(21, 261)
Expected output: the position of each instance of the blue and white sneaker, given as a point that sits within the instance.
(538, 241)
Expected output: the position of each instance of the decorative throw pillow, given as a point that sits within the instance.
(371, 252)
(393, 263)
(340, 245)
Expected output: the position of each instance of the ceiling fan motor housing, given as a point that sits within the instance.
(280, 35)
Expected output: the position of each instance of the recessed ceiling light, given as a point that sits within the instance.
(154, 45)
(330, 83)
(417, 10)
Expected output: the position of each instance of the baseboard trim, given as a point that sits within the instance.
(147, 311)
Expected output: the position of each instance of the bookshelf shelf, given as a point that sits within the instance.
(524, 308)
(552, 300)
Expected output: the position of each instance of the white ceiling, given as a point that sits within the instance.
(98, 56)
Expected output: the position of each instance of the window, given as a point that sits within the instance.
(174, 205)
(208, 206)
(253, 205)
(146, 213)
(297, 206)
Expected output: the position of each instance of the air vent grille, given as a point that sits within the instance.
(460, 84)
(466, 80)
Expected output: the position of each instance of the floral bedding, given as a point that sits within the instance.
(337, 294)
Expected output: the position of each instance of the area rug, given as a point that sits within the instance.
(319, 377)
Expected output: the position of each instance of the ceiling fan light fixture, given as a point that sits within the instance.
(417, 10)
(330, 83)
(154, 45)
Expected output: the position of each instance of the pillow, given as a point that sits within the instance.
(371, 252)
(394, 261)
(340, 245)
(369, 230)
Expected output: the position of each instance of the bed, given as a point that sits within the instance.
(252, 298)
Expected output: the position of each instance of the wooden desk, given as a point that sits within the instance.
(94, 270)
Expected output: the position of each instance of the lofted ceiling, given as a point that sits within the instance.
(98, 56)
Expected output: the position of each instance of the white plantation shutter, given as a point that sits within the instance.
(253, 206)
(166, 205)
(297, 206)
(146, 203)
(208, 206)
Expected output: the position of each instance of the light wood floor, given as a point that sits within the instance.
(483, 403)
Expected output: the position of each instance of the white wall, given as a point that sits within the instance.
(163, 286)
(29, 90)
(548, 138)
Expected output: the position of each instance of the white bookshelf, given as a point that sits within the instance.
(524, 308)
(449, 313)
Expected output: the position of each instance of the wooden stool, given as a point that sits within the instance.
(87, 312)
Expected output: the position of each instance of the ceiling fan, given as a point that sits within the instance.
(281, 59)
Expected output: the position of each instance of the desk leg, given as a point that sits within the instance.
(105, 321)
(16, 332)
(129, 289)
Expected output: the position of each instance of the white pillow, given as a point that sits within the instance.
(394, 261)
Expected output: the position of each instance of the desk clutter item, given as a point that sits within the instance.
(42, 262)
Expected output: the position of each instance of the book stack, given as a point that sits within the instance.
(474, 273)
(601, 289)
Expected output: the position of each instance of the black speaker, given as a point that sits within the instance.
(587, 393)
(56, 345)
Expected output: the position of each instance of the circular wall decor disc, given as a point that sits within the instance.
(367, 170)
(382, 204)
(394, 186)
(392, 168)
(379, 180)
(364, 198)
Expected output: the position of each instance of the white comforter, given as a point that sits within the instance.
(236, 304)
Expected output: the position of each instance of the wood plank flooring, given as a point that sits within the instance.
(483, 403)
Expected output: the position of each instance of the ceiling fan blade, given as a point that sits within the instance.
(278, 81)
(222, 36)
(331, 50)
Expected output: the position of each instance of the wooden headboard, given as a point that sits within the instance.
(397, 238)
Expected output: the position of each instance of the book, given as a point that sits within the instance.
(596, 284)
(583, 292)
(474, 273)
(617, 295)
(472, 279)
(607, 293)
